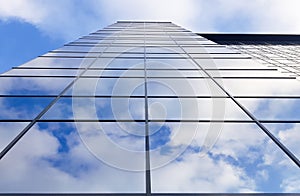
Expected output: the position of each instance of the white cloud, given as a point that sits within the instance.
(291, 138)
(28, 11)
(52, 18)
(8, 131)
(268, 16)
(69, 19)
(291, 185)
(178, 11)
(201, 174)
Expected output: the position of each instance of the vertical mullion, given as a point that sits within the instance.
(147, 142)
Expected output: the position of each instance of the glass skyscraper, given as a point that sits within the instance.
(148, 108)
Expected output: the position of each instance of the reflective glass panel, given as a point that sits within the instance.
(97, 108)
(246, 73)
(59, 62)
(194, 109)
(118, 63)
(179, 87)
(56, 154)
(207, 49)
(32, 86)
(108, 86)
(212, 155)
(8, 131)
(44, 72)
(230, 63)
(117, 73)
(175, 73)
(273, 109)
(262, 86)
(171, 64)
(81, 49)
(288, 134)
(22, 107)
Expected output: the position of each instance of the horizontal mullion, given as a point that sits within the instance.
(225, 77)
(150, 77)
(129, 120)
(180, 69)
(279, 121)
(117, 96)
(158, 38)
(176, 46)
(96, 119)
(158, 194)
(163, 120)
(86, 52)
(16, 120)
(55, 68)
(37, 76)
(139, 44)
(141, 30)
(153, 96)
(118, 57)
(66, 76)
(29, 96)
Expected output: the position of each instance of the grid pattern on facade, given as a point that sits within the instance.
(148, 108)
(283, 57)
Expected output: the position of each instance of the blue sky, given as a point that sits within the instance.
(29, 28)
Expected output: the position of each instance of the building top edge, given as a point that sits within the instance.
(235, 38)
(132, 21)
(249, 34)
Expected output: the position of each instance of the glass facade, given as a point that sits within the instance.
(285, 58)
(149, 108)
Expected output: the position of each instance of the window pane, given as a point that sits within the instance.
(230, 63)
(118, 63)
(97, 108)
(8, 131)
(247, 73)
(262, 87)
(22, 108)
(119, 49)
(123, 55)
(179, 87)
(108, 86)
(43, 72)
(32, 86)
(207, 55)
(81, 49)
(69, 54)
(288, 134)
(117, 73)
(195, 109)
(207, 50)
(58, 62)
(236, 155)
(175, 73)
(53, 154)
(163, 50)
(273, 109)
(171, 64)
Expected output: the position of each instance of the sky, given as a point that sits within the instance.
(30, 28)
